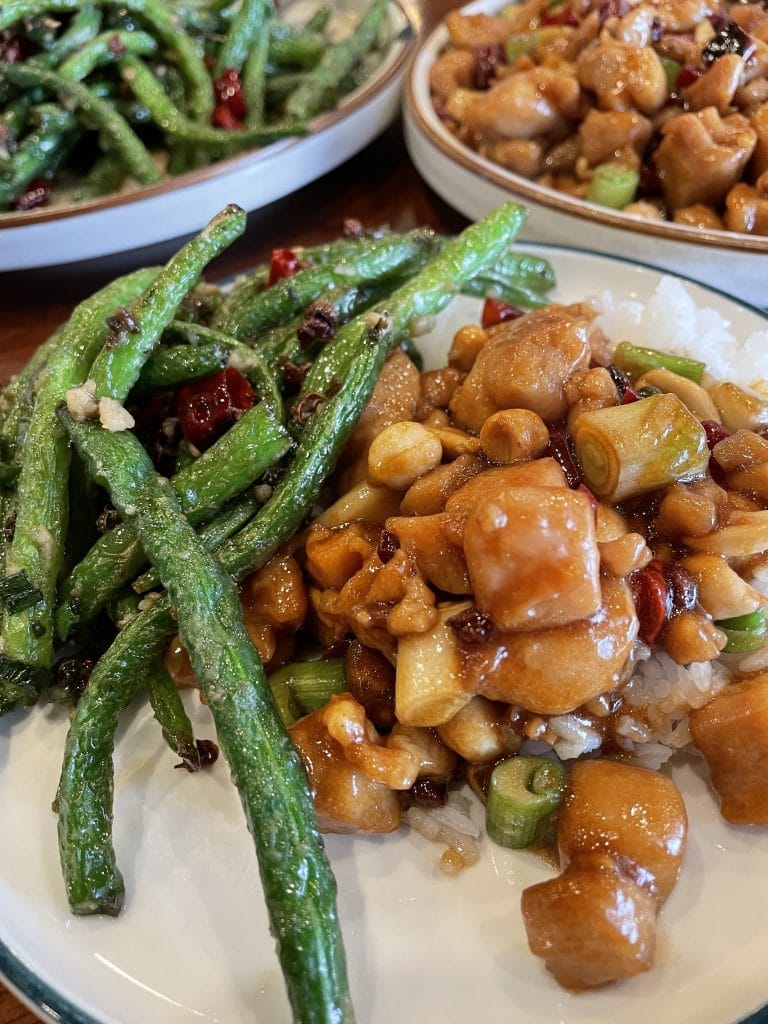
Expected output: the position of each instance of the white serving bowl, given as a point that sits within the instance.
(735, 263)
(67, 232)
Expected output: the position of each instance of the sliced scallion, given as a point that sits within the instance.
(613, 185)
(21, 683)
(637, 360)
(305, 686)
(16, 592)
(522, 795)
(745, 633)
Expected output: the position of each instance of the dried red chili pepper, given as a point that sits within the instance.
(715, 432)
(222, 117)
(651, 595)
(688, 75)
(495, 311)
(284, 263)
(229, 93)
(208, 407)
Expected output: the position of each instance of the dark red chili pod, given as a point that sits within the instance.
(222, 117)
(652, 600)
(688, 75)
(495, 311)
(284, 263)
(560, 448)
(715, 432)
(229, 92)
(210, 406)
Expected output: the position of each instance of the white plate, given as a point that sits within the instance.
(475, 186)
(182, 205)
(192, 944)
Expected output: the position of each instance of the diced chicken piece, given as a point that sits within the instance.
(631, 813)
(731, 731)
(334, 556)
(746, 210)
(606, 134)
(623, 77)
(699, 216)
(635, 28)
(682, 48)
(748, 16)
(552, 671)
(717, 86)
(274, 601)
(722, 592)
(494, 483)
(683, 15)
(429, 493)
(394, 398)
(539, 101)
(751, 95)
(478, 732)
(523, 156)
(441, 561)
(452, 70)
(471, 31)
(524, 364)
(533, 558)
(759, 122)
(592, 924)
(621, 834)
(719, 149)
(346, 798)
(644, 208)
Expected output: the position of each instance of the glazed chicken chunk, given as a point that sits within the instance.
(621, 835)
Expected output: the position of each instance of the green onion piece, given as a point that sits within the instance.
(21, 683)
(745, 633)
(16, 592)
(522, 796)
(613, 185)
(672, 69)
(648, 391)
(636, 360)
(305, 686)
(519, 45)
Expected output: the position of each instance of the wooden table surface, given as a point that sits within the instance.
(379, 186)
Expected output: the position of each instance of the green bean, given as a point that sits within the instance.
(106, 175)
(211, 536)
(91, 876)
(106, 48)
(172, 717)
(84, 25)
(295, 46)
(278, 87)
(36, 154)
(17, 399)
(117, 368)
(311, 97)
(233, 463)
(171, 367)
(42, 487)
(97, 111)
(150, 93)
(264, 765)
(254, 78)
(242, 33)
(319, 20)
(243, 313)
(165, 24)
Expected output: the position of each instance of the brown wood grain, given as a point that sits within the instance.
(379, 186)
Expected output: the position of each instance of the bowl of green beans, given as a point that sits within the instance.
(124, 124)
(462, 171)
